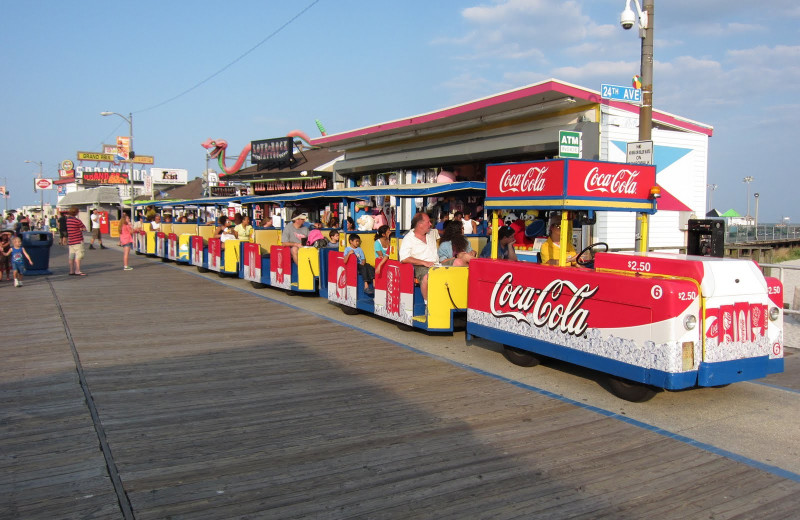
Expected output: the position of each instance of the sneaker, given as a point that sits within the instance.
(91, 246)
(127, 268)
(103, 247)
(16, 283)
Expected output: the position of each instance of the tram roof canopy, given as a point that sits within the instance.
(393, 190)
(207, 201)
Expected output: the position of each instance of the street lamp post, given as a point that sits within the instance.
(129, 119)
(627, 20)
(711, 189)
(747, 180)
(756, 196)
(41, 192)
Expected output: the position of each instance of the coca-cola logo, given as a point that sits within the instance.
(622, 182)
(532, 180)
(543, 307)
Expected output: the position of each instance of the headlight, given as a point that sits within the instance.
(774, 313)
(690, 322)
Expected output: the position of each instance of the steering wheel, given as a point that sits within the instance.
(589, 249)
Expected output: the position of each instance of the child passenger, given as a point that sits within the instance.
(333, 238)
(382, 247)
(366, 271)
(17, 255)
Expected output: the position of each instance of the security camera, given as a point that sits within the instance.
(627, 18)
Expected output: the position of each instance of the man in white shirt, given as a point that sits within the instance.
(420, 250)
(95, 218)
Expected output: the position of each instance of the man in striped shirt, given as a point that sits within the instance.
(75, 229)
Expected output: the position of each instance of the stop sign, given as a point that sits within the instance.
(44, 184)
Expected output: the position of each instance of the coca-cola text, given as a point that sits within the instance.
(547, 310)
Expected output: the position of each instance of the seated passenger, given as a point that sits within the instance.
(454, 248)
(224, 231)
(419, 249)
(296, 233)
(333, 238)
(383, 246)
(505, 245)
(366, 271)
(552, 248)
(244, 231)
(267, 223)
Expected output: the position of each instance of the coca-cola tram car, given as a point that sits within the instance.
(649, 320)
(397, 295)
(266, 262)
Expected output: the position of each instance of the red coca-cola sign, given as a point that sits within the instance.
(525, 180)
(610, 180)
(570, 178)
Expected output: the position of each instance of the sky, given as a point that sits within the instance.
(246, 70)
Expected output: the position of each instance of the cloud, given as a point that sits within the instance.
(520, 29)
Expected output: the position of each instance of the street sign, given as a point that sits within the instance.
(570, 145)
(44, 184)
(639, 152)
(620, 93)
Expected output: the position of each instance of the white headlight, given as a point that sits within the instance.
(774, 313)
(690, 322)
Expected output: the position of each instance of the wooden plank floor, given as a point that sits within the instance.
(220, 404)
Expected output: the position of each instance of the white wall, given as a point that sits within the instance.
(683, 172)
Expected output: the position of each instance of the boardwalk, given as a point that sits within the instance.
(214, 403)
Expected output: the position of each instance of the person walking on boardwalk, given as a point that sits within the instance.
(125, 240)
(62, 228)
(5, 255)
(17, 255)
(75, 229)
(96, 235)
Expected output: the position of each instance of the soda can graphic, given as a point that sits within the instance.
(341, 282)
(741, 321)
(712, 323)
(392, 293)
(726, 317)
(758, 326)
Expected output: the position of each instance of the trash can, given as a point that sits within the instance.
(37, 244)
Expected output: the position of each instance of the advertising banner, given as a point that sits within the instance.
(585, 182)
(272, 153)
(98, 178)
(169, 176)
(123, 148)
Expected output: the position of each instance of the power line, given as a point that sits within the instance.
(226, 67)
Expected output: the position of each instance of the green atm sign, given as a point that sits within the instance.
(569, 144)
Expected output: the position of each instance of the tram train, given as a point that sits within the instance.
(651, 321)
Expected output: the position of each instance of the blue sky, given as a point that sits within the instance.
(351, 63)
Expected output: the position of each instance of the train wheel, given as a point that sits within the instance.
(258, 285)
(350, 311)
(630, 390)
(520, 357)
(201, 269)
